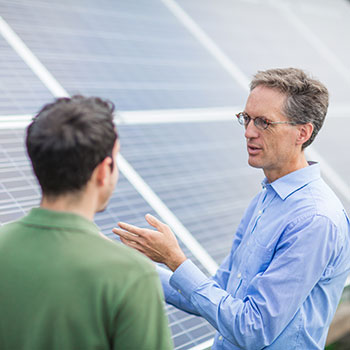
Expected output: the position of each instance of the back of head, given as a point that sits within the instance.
(306, 98)
(67, 139)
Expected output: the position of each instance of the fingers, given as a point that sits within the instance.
(133, 244)
(131, 228)
(153, 221)
(126, 235)
(129, 239)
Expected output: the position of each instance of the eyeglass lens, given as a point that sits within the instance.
(260, 123)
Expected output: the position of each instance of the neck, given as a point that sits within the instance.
(274, 174)
(71, 203)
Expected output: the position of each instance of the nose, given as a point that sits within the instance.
(251, 131)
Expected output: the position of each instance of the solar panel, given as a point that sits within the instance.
(137, 55)
(257, 35)
(143, 57)
(20, 90)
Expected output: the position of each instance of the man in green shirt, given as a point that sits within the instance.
(63, 285)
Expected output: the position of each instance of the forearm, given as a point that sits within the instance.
(239, 322)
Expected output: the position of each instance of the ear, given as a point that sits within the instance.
(304, 133)
(102, 171)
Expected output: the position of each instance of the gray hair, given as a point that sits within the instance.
(306, 98)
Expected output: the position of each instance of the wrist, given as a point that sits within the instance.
(176, 261)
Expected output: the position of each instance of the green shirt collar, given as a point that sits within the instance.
(56, 219)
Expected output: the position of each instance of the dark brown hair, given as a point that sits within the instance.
(67, 139)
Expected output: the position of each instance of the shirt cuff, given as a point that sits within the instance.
(164, 276)
(186, 278)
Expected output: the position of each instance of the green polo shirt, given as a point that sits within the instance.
(65, 287)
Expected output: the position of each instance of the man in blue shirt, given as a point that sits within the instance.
(281, 283)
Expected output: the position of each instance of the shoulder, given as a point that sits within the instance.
(119, 258)
(8, 229)
(316, 200)
(315, 213)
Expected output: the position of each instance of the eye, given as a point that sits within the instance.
(260, 122)
(246, 118)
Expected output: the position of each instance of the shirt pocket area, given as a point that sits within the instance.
(258, 260)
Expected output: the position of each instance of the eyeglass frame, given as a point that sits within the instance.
(265, 120)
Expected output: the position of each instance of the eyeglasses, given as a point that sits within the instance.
(260, 122)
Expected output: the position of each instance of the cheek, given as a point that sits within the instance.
(285, 145)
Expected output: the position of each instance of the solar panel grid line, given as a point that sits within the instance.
(14, 204)
(132, 61)
(183, 338)
(208, 43)
(15, 188)
(188, 329)
(11, 161)
(207, 177)
(313, 39)
(87, 10)
(178, 115)
(140, 86)
(163, 116)
(38, 68)
(188, 345)
(204, 346)
(167, 215)
(12, 209)
(115, 36)
(8, 204)
(185, 330)
(6, 169)
(26, 201)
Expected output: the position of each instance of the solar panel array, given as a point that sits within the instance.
(143, 55)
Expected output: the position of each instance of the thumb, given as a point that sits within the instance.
(153, 221)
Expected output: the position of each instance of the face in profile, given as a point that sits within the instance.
(273, 149)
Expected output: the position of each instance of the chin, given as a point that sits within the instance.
(254, 163)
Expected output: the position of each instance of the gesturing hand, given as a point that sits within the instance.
(159, 245)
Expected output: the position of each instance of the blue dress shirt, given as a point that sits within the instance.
(281, 283)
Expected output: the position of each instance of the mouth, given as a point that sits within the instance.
(253, 150)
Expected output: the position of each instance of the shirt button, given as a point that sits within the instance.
(260, 211)
(239, 275)
(179, 291)
(220, 338)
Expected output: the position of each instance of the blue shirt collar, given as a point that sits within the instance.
(292, 182)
